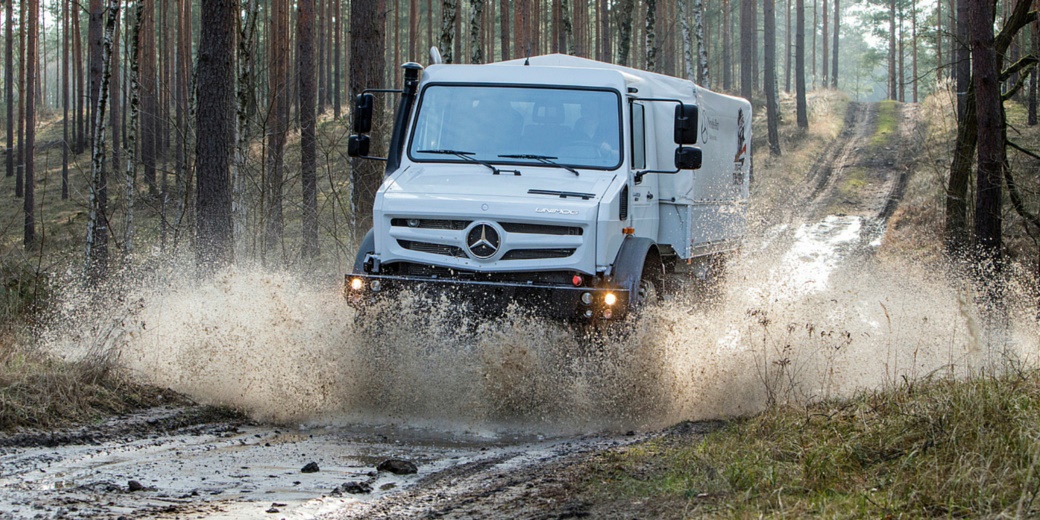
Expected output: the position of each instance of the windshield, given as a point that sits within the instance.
(578, 128)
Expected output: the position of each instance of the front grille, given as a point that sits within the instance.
(537, 254)
(430, 223)
(433, 249)
(541, 229)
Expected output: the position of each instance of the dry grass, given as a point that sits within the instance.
(40, 391)
(937, 448)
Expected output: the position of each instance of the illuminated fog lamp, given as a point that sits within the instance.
(586, 298)
(610, 299)
(375, 285)
(356, 284)
(607, 314)
(577, 280)
(413, 222)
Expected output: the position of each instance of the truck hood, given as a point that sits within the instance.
(546, 185)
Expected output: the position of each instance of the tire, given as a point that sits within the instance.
(650, 287)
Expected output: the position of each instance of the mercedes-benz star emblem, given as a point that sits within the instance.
(483, 241)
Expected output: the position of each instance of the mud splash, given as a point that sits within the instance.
(811, 314)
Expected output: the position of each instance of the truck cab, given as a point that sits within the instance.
(555, 180)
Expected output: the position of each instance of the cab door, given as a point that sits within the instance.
(643, 196)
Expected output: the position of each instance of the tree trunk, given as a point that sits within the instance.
(834, 46)
(80, 93)
(901, 73)
(113, 98)
(447, 29)
(988, 107)
(308, 150)
(624, 16)
(97, 220)
(215, 128)
(64, 104)
(955, 229)
(413, 31)
(245, 110)
(688, 70)
(322, 23)
(789, 56)
(1035, 30)
(747, 44)
(367, 23)
(28, 203)
(651, 35)
(130, 184)
(799, 65)
(337, 92)
(727, 48)
(475, 47)
(769, 48)
(94, 52)
(603, 43)
(9, 81)
(913, 47)
(19, 173)
(149, 105)
(962, 57)
(702, 48)
(278, 117)
(504, 28)
(825, 62)
(892, 85)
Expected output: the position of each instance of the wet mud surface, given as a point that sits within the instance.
(180, 462)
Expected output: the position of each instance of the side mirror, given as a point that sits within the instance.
(363, 108)
(357, 146)
(688, 158)
(686, 123)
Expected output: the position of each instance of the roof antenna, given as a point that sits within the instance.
(527, 61)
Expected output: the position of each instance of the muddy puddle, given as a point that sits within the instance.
(808, 313)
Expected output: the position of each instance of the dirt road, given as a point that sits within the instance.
(168, 463)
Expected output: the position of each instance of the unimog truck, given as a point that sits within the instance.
(570, 185)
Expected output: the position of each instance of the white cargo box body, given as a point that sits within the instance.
(701, 211)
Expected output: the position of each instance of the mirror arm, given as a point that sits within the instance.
(638, 178)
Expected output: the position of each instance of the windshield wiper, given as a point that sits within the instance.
(544, 159)
(466, 157)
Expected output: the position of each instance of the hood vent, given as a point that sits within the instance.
(623, 214)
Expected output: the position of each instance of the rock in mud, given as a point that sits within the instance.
(354, 488)
(311, 467)
(397, 467)
(134, 486)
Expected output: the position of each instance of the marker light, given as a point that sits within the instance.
(610, 298)
(576, 280)
(586, 298)
(608, 314)
(413, 222)
(376, 286)
(356, 284)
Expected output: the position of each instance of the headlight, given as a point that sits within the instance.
(356, 284)
(610, 298)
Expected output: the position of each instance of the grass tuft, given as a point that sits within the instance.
(40, 391)
(938, 447)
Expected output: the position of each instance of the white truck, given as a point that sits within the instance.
(564, 183)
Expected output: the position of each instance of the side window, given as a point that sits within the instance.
(638, 136)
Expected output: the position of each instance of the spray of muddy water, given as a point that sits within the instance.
(808, 314)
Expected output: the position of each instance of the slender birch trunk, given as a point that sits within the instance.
(97, 222)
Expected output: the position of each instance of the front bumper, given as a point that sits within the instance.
(554, 300)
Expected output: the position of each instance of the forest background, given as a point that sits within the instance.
(215, 131)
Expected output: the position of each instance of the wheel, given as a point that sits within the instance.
(650, 288)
